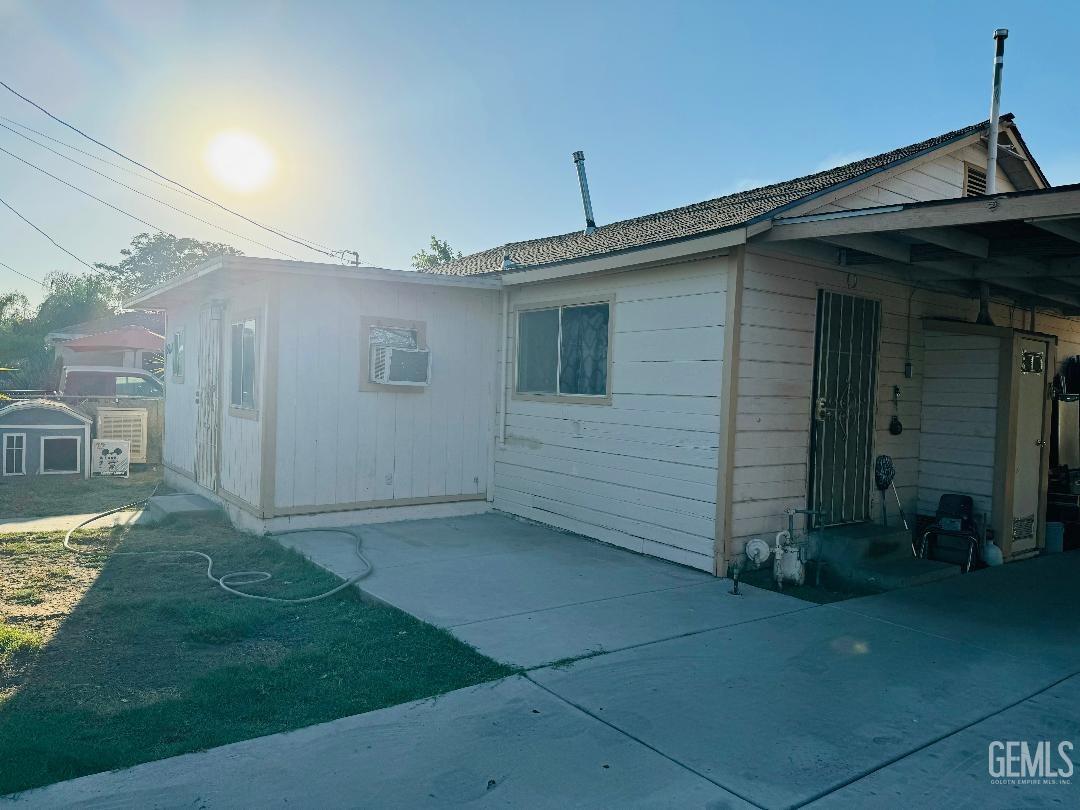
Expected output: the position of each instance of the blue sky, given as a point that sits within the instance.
(392, 121)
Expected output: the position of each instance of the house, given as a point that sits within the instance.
(673, 383)
(40, 437)
(130, 339)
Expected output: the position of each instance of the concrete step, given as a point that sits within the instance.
(167, 507)
(848, 546)
(890, 574)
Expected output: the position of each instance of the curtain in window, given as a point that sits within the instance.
(583, 352)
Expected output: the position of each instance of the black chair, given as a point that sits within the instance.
(956, 537)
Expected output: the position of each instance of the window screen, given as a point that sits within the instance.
(243, 364)
(60, 454)
(538, 351)
(564, 350)
(14, 454)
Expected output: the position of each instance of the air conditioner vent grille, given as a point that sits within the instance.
(125, 424)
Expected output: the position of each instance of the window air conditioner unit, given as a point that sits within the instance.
(395, 366)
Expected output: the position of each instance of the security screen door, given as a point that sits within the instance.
(842, 432)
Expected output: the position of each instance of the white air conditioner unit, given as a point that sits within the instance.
(395, 366)
(124, 424)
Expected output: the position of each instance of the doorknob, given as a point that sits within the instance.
(1040, 443)
(822, 411)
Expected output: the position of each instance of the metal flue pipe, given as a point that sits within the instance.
(586, 200)
(1000, 35)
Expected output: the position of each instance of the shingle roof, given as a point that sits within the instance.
(691, 220)
(154, 321)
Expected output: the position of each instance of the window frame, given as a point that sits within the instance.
(369, 322)
(22, 458)
(240, 410)
(178, 360)
(78, 456)
(565, 303)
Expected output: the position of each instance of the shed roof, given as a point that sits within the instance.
(24, 406)
(154, 321)
(127, 337)
(701, 218)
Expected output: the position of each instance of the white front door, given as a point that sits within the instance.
(1030, 447)
(208, 398)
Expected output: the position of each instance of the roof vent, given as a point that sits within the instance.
(586, 201)
(974, 181)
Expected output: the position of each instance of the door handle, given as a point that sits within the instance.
(821, 409)
(1040, 443)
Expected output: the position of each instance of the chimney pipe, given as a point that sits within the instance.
(586, 201)
(1000, 35)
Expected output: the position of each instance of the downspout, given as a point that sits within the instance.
(995, 103)
(504, 335)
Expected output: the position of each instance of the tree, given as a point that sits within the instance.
(155, 258)
(72, 299)
(441, 253)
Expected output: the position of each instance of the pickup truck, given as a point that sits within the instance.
(109, 381)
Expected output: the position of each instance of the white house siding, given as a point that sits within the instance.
(179, 440)
(959, 418)
(772, 440)
(641, 472)
(940, 177)
(337, 445)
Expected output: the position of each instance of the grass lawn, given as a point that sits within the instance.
(108, 661)
(48, 495)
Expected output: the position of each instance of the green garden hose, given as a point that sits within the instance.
(233, 578)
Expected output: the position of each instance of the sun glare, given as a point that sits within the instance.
(240, 161)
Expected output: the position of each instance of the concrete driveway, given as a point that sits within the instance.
(716, 701)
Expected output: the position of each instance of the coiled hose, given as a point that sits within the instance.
(234, 578)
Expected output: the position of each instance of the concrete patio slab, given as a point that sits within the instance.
(529, 595)
(470, 569)
(785, 709)
(507, 744)
(542, 637)
(955, 771)
(1028, 609)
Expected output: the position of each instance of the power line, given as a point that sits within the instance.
(126, 170)
(6, 205)
(20, 273)
(301, 242)
(149, 196)
(83, 191)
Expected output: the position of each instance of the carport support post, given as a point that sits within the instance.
(729, 400)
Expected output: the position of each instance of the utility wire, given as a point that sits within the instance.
(126, 170)
(301, 242)
(20, 273)
(83, 191)
(149, 196)
(6, 205)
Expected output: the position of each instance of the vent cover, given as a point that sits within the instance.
(125, 424)
(974, 181)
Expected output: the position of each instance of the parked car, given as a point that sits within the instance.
(109, 381)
